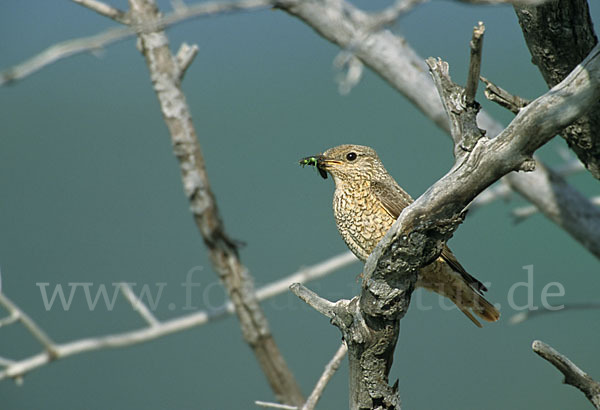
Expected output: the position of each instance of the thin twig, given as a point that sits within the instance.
(185, 56)
(476, 46)
(10, 319)
(321, 305)
(30, 325)
(500, 96)
(271, 405)
(573, 374)
(6, 362)
(138, 305)
(330, 370)
(307, 274)
(104, 9)
(391, 14)
(16, 369)
(72, 47)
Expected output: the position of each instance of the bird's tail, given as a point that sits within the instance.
(446, 282)
(477, 304)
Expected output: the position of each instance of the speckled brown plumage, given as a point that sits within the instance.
(367, 201)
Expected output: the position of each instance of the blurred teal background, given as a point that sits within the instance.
(90, 192)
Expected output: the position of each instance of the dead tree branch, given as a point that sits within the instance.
(328, 373)
(165, 74)
(476, 46)
(16, 369)
(559, 34)
(502, 97)
(574, 376)
(104, 10)
(96, 42)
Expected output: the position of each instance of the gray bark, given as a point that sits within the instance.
(559, 34)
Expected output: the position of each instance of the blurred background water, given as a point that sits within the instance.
(91, 193)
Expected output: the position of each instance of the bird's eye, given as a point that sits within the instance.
(351, 156)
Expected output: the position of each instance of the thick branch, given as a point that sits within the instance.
(573, 374)
(559, 34)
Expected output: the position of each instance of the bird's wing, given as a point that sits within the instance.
(451, 260)
(394, 199)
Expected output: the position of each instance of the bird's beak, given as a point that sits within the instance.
(320, 161)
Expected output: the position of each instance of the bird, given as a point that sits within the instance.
(366, 202)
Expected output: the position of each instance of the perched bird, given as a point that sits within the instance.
(367, 201)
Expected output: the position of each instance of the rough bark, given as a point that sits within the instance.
(559, 34)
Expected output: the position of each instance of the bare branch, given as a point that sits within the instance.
(463, 125)
(531, 314)
(270, 405)
(34, 329)
(10, 319)
(330, 370)
(306, 274)
(138, 305)
(476, 46)
(573, 374)
(235, 277)
(353, 67)
(104, 10)
(63, 50)
(185, 56)
(502, 97)
(321, 305)
(69, 48)
(388, 16)
(17, 369)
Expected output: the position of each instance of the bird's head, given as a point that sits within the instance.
(347, 163)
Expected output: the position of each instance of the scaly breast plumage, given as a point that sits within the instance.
(361, 221)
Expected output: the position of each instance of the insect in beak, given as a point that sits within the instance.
(315, 161)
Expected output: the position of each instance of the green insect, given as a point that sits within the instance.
(314, 162)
